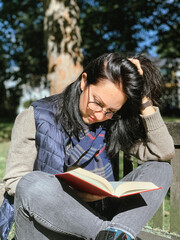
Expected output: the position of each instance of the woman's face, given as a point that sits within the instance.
(106, 94)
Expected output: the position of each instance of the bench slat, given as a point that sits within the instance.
(175, 195)
(174, 130)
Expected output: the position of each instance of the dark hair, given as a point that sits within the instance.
(122, 133)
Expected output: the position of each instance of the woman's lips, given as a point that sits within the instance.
(92, 119)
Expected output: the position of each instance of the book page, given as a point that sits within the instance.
(93, 179)
(115, 184)
(132, 187)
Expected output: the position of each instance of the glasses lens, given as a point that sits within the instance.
(94, 106)
(109, 115)
(97, 108)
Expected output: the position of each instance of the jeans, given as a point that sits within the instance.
(46, 208)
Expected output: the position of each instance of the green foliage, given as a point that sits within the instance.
(28, 103)
(123, 25)
(108, 26)
(170, 100)
(23, 57)
(5, 130)
(25, 22)
(134, 26)
(164, 19)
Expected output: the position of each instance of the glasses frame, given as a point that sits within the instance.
(114, 115)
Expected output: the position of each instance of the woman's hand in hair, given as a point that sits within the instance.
(138, 65)
(87, 197)
(149, 109)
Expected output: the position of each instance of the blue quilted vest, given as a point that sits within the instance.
(50, 137)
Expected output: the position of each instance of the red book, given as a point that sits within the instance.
(86, 181)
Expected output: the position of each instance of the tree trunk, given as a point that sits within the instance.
(63, 41)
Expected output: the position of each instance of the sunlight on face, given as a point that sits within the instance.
(105, 93)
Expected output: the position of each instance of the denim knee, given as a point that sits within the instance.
(163, 168)
(159, 172)
(32, 187)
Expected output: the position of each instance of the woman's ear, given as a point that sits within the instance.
(83, 81)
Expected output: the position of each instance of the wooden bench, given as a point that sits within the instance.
(157, 232)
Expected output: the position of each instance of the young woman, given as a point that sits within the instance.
(110, 107)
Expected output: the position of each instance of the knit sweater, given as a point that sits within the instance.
(158, 146)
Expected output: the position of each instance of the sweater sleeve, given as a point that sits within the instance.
(22, 152)
(159, 144)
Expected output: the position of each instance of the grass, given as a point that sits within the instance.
(5, 135)
(171, 119)
(4, 147)
(12, 233)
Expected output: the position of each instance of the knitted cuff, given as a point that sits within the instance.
(153, 121)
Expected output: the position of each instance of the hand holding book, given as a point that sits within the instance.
(88, 197)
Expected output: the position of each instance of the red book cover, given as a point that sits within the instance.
(82, 185)
(77, 182)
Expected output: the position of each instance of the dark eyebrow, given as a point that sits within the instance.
(103, 104)
(99, 99)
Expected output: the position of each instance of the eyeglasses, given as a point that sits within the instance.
(96, 107)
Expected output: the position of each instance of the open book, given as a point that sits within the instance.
(86, 181)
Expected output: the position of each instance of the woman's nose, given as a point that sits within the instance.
(99, 115)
